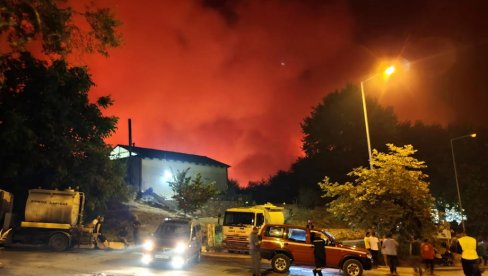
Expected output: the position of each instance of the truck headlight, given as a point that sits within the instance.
(180, 247)
(148, 245)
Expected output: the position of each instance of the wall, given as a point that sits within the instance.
(157, 173)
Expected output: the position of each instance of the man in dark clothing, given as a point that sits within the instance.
(254, 250)
(135, 231)
(318, 252)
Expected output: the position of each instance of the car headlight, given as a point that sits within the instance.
(177, 262)
(181, 247)
(148, 245)
(146, 259)
(369, 256)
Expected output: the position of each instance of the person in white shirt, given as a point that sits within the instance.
(374, 244)
(390, 250)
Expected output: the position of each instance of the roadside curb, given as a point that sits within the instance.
(406, 269)
(225, 255)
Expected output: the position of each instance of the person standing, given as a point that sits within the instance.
(366, 242)
(254, 250)
(318, 252)
(136, 224)
(381, 250)
(93, 225)
(482, 251)
(374, 244)
(469, 257)
(97, 231)
(390, 250)
(427, 253)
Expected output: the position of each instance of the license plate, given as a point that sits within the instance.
(161, 256)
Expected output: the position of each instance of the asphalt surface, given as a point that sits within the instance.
(89, 262)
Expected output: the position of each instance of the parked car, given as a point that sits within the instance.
(177, 241)
(285, 245)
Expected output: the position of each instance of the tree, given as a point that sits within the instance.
(335, 133)
(191, 194)
(333, 145)
(52, 135)
(57, 27)
(392, 197)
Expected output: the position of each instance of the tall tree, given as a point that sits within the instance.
(334, 143)
(335, 129)
(53, 136)
(393, 196)
(191, 194)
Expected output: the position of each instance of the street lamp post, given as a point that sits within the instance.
(473, 135)
(390, 70)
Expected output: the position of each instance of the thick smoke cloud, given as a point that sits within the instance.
(232, 80)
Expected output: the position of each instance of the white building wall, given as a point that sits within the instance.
(156, 174)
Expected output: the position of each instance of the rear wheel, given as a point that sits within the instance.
(280, 263)
(59, 242)
(352, 268)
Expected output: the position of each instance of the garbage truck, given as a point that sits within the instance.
(238, 224)
(52, 217)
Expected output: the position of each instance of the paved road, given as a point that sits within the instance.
(89, 262)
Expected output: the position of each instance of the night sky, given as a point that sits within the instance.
(232, 80)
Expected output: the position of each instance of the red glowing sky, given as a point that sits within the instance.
(233, 80)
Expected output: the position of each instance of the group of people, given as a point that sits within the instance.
(472, 253)
(387, 246)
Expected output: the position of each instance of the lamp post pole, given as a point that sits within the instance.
(456, 175)
(388, 71)
(366, 124)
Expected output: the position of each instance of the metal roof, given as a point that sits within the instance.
(171, 155)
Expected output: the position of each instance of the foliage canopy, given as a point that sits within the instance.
(392, 197)
(52, 136)
(58, 27)
(191, 194)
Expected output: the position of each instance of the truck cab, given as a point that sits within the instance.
(238, 224)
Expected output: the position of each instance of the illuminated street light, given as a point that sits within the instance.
(390, 70)
(473, 135)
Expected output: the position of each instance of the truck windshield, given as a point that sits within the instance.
(172, 230)
(238, 218)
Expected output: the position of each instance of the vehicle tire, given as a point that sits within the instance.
(59, 242)
(352, 268)
(280, 263)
